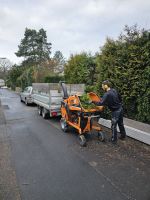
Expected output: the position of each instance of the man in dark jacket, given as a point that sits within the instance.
(113, 100)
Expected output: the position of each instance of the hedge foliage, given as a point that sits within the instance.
(80, 68)
(126, 63)
(53, 79)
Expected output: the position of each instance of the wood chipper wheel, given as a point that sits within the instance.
(82, 140)
(101, 136)
(64, 125)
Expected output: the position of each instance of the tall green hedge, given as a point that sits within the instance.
(53, 79)
(80, 68)
(126, 63)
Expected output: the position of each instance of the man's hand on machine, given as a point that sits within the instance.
(95, 102)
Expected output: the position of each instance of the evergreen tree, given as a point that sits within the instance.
(80, 68)
(34, 46)
(58, 58)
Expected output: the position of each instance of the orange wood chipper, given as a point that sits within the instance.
(83, 120)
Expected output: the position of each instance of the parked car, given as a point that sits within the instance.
(4, 87)
(2, 83)
(26, 95)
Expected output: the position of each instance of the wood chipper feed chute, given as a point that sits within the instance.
(90, 107)
(84, 120)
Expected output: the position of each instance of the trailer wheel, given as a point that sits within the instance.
(101, 136)
(64, 125)
(39, 110)
(44, 113)
(82, 140)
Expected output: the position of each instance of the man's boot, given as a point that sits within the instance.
(122, 136)
(113, 140)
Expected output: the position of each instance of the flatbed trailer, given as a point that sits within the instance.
(48, 99)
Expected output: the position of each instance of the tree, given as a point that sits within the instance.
(26, 78)
(34, 46)
(59, 62)
(5, 65)
(13, 74)
(58, 58)
(80, 68)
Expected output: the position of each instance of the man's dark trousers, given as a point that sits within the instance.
(117, 118)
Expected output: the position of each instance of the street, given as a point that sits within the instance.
(46, 164)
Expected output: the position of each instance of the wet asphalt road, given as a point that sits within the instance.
(50, 165)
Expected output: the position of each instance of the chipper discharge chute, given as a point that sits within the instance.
(77, 111)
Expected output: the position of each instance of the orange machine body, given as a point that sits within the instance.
(83, 120)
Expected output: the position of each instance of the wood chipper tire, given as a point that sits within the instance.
(101, 136)
(64, 125)
(82, 140)
(40, 110)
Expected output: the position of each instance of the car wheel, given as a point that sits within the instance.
(26, 102)
(21, 99)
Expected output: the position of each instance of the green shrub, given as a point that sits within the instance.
(53, 79)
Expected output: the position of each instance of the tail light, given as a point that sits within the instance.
(54, 114)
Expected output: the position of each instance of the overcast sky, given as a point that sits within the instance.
(71, 25)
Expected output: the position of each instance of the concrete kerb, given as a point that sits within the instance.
(131, 132)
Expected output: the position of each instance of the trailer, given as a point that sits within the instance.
(48, 97)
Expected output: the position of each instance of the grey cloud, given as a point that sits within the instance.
(72, 26)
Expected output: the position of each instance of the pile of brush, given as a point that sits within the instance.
(86, 102)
